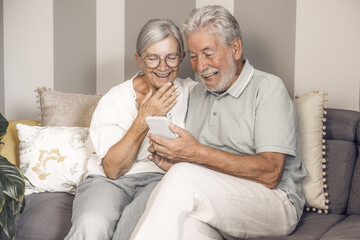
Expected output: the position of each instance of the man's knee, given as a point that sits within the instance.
(181, 176)
(182, 169)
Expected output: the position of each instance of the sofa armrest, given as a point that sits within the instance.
(10, 149)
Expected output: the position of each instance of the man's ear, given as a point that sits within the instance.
(183, 55)
(236, 48)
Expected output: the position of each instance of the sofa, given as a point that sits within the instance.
(47, 215)
(343, 177)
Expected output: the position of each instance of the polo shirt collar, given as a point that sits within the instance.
(240, 84)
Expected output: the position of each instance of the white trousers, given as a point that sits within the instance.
(194, 202)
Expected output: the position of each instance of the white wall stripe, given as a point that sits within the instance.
(110, 44)
(2, 97)
(28, 54)
(327, 50)
(229, 4)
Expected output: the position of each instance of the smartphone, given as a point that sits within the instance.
(159, 125)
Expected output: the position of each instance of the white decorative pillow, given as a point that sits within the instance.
(54, 159)
(310, 110)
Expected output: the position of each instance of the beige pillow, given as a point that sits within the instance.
(310, 109)
(10, 149)
(66, 109)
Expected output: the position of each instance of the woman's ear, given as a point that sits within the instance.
(137, 57)
(236, 48)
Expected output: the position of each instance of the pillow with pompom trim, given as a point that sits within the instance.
(310, 110)
(65, 109)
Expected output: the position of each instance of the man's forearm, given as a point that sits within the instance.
(265, 168)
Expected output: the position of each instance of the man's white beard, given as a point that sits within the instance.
(225, 78)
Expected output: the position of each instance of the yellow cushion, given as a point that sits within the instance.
(10, 149)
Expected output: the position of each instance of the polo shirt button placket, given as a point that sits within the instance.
(169, 116)
(213, 118)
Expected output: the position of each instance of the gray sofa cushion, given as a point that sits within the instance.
(340, 156)
(354, 199)
(311, 226)
(46, 216)
(349, 228)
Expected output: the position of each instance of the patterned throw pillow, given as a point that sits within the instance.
(54, 159)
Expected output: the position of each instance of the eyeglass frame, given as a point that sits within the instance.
(160, 60)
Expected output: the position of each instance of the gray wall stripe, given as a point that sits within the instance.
(2, 83)
(75, 46)
(136, 17)
(269, 36)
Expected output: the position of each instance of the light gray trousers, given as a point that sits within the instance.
(194, 202)
(109, 209)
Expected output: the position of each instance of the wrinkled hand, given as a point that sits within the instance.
(161, 162)
(166, 152)
(160, 103)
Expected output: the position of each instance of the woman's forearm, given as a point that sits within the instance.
(121, 156)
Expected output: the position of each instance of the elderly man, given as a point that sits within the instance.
(236, 171)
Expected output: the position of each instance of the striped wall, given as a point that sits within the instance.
(75, 45)
(88, 46)
(2, 93)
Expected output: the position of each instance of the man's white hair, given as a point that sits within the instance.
(217, 19)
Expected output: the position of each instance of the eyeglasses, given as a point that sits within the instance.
(153, 61)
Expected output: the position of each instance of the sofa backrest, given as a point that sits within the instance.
(354, 198)
(342, 150)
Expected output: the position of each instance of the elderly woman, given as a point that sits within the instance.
(111, 199)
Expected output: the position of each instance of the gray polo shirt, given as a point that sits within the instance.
(254, 115)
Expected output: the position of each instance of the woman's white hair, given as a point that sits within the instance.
(217, 19)
(155, 30)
